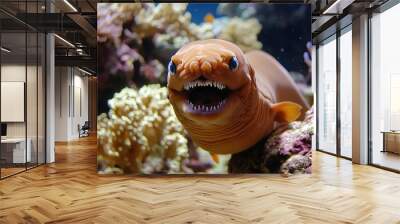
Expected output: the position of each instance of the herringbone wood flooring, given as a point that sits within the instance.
(70, 191)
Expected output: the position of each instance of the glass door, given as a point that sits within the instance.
(22, 77)
(14, 153)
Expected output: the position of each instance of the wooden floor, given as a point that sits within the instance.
(387, 159)
(5, 172)
(70, 191)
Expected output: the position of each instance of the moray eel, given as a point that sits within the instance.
(228, 100)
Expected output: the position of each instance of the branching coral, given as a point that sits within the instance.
(111, 17)
(244, 10)
(123, 60)
(169, 19)
(141, 134)
(242, 32)
(152, 70)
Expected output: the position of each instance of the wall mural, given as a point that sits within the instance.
(209, 88)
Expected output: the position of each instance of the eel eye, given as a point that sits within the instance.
(233, 63)
(171, 67)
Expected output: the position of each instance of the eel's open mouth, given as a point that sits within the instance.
(205, 96)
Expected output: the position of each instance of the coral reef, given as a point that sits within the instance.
(294, 143)
(137, 40)
(244, 10)
(243, 33)
(110, 19)
(164, 18)
(123, 59)
(152, 70)
(141, 134)
(287, 151)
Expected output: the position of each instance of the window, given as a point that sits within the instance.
(346, 75)
(327, 96)
(385, 89)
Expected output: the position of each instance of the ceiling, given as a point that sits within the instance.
(75, 21)
(72, 20)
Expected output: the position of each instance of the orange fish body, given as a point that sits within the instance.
(228, 100)
(209, 18)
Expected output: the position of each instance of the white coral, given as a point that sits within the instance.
(164, 18)
(242, 32)
(141, 133)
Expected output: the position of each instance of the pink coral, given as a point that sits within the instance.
(123, 59)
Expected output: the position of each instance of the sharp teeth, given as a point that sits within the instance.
(198, 83)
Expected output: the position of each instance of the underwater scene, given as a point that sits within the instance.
(204, 88)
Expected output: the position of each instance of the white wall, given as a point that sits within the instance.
(33, 126)
(61, 103)
(81, 104)
(16, 73)
(71, 94)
